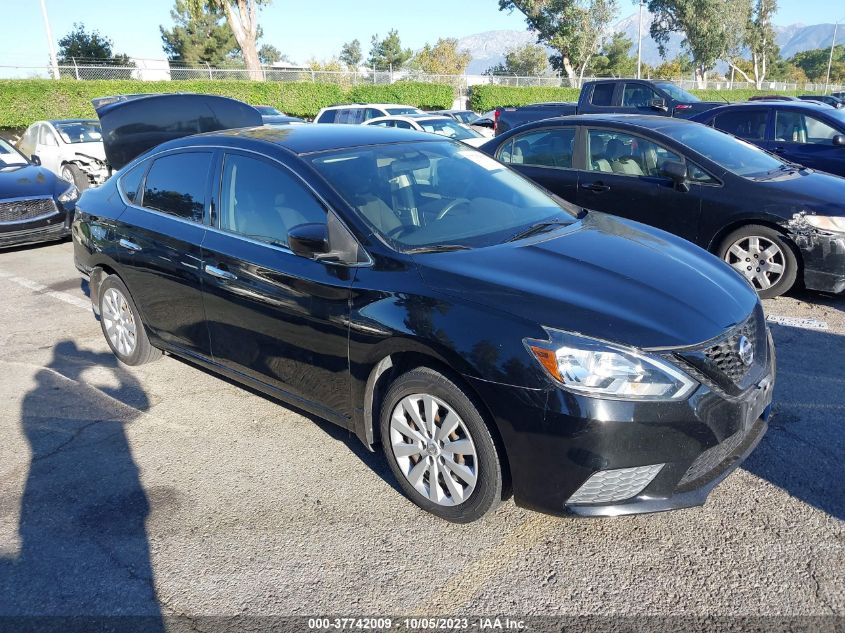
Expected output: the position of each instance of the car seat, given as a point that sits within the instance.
(560, 151)
(620, 161)
(598, 147)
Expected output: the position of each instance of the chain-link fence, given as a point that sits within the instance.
(163, 70)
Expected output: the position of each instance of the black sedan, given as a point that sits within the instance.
(770, 219)
(804, 133)
(35, 204)
(418, 293)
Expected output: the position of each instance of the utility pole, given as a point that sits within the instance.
(829, 59)
(640, 41)
(53, 61)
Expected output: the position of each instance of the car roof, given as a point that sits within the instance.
(787, 105)
(55, 121)
(307, 139)
(369, 105)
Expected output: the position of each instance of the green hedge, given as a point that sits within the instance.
(23, 101)
(487, 97)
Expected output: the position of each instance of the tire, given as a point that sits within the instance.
(764, 257)
(456, 496)
(74, 174)
(122, 326)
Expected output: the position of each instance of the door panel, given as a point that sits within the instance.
(808, 141)
(274, 316)
(623, 179)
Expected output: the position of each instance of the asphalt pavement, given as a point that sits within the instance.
(165, 491)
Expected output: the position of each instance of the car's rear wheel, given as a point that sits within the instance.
(122, 324)
(439, 447)
(764, 257)
(74, 175)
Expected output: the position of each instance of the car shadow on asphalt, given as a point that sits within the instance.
(374, 460)
(83, 547)
(802, 453)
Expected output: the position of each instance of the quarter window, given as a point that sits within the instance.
(797, 127)
(543, 148)
(176, 185)
(603, 94)
(131, 180)
(263, 201)
(747, 124)
(625, 154)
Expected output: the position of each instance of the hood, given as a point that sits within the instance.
(133, 124)
(94, 150)
(20, 181)
(687, 110)
(606, 278)
(476, 141)
(805, 190)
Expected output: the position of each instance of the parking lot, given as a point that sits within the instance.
(164, 490)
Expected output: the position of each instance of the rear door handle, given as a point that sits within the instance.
(779, 150)
(130, 246)
(220, 273)
(595, 186)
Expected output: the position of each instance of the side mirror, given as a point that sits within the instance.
(310, 241)
(34, 159)
(839, 140)
(658, 104)
(677, 171)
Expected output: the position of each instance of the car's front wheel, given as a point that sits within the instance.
(74, 175)
(122, 324)
(764, 257)
(439, 447)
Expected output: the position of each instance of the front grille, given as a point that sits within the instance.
(710, 459)
(21, 210)
(725, 354)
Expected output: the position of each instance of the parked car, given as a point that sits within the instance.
(442, 125)
(769, 219)
(804, 133)
(70, 148)
(422, 295)
(467, 117)
(357, 113)
(606, 96)
(773, 98)
(272, 116)
(485, 124)
(35, 204)
(825, 99)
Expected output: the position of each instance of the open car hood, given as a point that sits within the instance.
(133, 124)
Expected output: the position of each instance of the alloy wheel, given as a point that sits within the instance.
(434, 449)
(67, 174)
(759, 259)
(119, 322)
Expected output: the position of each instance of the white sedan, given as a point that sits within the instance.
(436, 124)
(70, 148)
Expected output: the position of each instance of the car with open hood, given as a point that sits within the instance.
(489, 336)
(35, 204)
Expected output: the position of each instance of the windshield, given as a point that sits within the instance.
(836, 115)
(466, 117)
(80, 132)
(9, 155)
(678, 94)
(268, 110)
(408, 110)
(735, 155)
(447, 127)
(438, 193)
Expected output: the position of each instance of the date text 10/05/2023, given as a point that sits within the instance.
(417, 624)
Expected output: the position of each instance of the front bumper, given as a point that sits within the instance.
(823, 256)
(55, 228)
(556, 441)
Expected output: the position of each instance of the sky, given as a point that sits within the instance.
(301, 30)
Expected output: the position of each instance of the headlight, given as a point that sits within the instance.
(826, 222)
(71, 194)
(604, 370)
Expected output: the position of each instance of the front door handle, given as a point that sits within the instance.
(779, 149)
(220, 273)
(129, 246)
(597, 187)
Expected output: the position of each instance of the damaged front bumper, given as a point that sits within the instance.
(822, 255)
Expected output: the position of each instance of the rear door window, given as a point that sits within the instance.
(603, 94)
(176, 184)
(747, 124)
(542, 148)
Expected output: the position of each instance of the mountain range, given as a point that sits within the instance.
(488, 48)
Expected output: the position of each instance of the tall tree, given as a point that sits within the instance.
(614, 59)
(88, 46)
(350, 54)
(443, 58)
(242, 16)
(573, 28)
(199, 35)
(712, 29)
(530, 60)
(388, 54)
(269, 54)
(814, 63)
(760, 38)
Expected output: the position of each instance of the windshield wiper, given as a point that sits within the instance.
(539, 227)
(438, 248)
